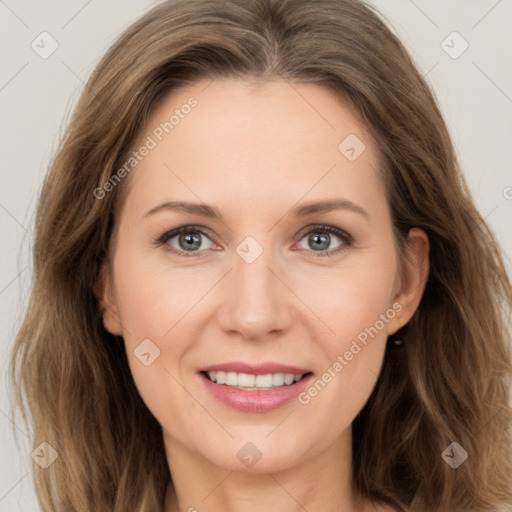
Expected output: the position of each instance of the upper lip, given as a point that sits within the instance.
(254, 369)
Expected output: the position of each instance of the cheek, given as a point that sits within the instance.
(155, 297)
(157, 312)
(351, 298)
(361, 314)
(352, 357)
(355, 303)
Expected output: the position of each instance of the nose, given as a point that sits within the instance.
(257, 305)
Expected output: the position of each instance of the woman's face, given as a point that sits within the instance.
(286, 266)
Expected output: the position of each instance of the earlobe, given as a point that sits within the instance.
(413, 280)
(104, 292)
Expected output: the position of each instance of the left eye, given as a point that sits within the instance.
(192, 241)
(320, 238)
(188, 241)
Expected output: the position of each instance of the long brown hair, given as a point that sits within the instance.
(446, 383)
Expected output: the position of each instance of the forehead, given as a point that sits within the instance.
(262, 141)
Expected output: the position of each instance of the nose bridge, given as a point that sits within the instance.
(256, 302)
(255, 280)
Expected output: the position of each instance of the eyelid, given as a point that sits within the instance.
(345, 237)
(194, 228)
(171, 233)
(324, 227)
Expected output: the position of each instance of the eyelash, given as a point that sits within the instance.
(322, 228)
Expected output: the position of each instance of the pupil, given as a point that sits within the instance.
(321, 241)
(190, 241)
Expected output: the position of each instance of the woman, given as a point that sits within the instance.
(260, 279)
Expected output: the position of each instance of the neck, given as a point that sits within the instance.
(320, 482)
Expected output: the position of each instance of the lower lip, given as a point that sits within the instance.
(255, 401)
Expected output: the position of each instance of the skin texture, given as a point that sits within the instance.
(256, 151)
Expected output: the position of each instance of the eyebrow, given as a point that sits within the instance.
(300, 211)
(195, 208)
(327, 206)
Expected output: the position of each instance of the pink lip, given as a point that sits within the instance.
(256, 401)
(254, 369)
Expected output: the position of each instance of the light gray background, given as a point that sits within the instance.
(37, 95)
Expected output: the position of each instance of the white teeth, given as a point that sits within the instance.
(245, 380)
(263, 381)
(288, 378)
(248, 381)
(231, 379)
(278, 379)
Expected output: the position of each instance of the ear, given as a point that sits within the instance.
(104, 292)
(411, 283)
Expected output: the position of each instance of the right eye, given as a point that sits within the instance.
(185, 241)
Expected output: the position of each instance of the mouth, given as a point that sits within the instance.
(254, 388)
(252, 382)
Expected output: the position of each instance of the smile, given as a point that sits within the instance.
(255, 389)
(251, 382)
